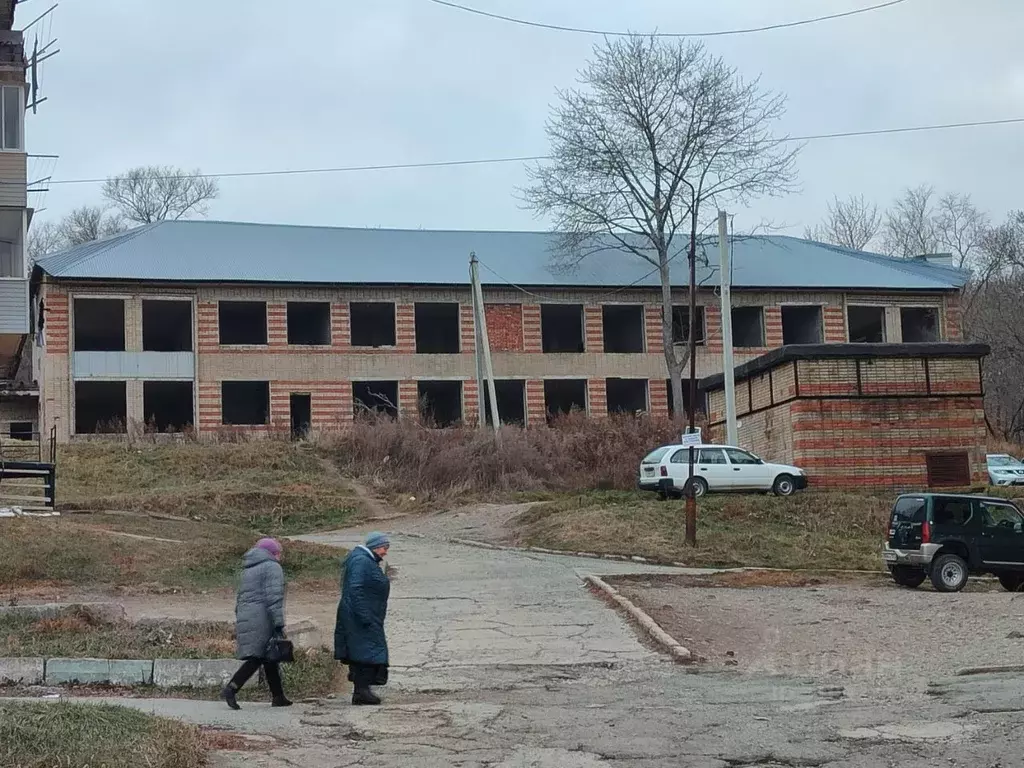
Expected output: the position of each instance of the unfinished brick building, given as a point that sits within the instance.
(263, 327)
(892, 416)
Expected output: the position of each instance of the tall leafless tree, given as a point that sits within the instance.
(850, 223)
(909, 228)
(88, 223)
(656, 135)
(44, 238)
(147, 194)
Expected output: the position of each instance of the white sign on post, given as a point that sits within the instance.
(690, 438)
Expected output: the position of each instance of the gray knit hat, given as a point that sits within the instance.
(375, 540)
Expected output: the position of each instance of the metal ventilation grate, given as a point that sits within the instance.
(946, 470)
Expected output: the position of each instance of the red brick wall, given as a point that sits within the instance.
(835, 325)
(408, 399)
(57, 326)
(277, 324)
(405, 328)
(471, 402)
(658, 393)
(208, 327)
(505, 326)
(954, 319)
(773, 327)
(653, 328)
(331, 403)
(593, 328)
(209, 406)
(597, 398)
(341, 327)
(713, 327)
(532, 339)
(536, 411)
(467, 336)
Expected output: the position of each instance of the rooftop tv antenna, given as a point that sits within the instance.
(42, 26)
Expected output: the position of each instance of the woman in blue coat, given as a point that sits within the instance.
(359, 639)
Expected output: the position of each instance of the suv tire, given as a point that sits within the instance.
(949, 573)
(912, 578)
(1012, 582)
(700, 487)
(785, 485)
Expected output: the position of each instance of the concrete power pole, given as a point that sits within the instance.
(480, 321)
(728, 366)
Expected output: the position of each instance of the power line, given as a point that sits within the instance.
(718, 33)
(534, 158)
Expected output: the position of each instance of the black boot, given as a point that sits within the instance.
(280, 701)
(365, 697)
(228, 693)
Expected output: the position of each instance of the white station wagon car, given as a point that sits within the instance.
(717, 468)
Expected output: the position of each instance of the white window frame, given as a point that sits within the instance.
(20, 149)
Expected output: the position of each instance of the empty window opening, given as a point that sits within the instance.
(437, 329)
(309, 323)
(380, 397)
(702, 401)
(440, 402)
(245, 403)
(561, 327)
(168, 405)
(920, 324)
(747, 327)
(563, 396)
(243, 322)
(166, 325)
(100, 406)
(300, 407)
(623, 328)
(22, 430)
(511, 396)
(801, 325)
(99, 325)
(866, 325)
(626, 395)
(681, 325)
(373, 324)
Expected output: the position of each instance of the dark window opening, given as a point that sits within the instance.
(948, 470)
(22, 430)
(866, 324)
(166, 325)
(309, 323)
(801, 325)
(561, 327)
(101, 407)
(375, 397)
(300, 406)
(440, 402)
(626, 395)
(372, 324)
(437, 329)
(99, 325)
(245, 403)
(702, 400)
(623, 328)
(563, 396)
(681, 325)
(242, 322)
(747, 327)
(511, 397)
(168, 405)
(920, 324)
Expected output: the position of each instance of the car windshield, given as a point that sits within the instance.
(1003, 461)
(655, 456)
(910, 509)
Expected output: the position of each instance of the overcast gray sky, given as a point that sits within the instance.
(241, 85)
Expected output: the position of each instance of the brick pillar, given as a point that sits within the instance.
(280, 404)
(405, 328)
(835, 325)
(653, 329)
(532, 339)
(470, 402)
(133, 327)
(593, 328)
(56, 324)
(597, 398)
(209, 416)
(331, 405)
(954, 320)
(713, 327)
(341, 326)
(277, 324)
(536, 410)
(467, 340)
(658, 395)
(773, 327)
(208, 330)
(505, 327)
(135, 411)
(408, 399)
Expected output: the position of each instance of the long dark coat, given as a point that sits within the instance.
(359, 632)
(259, 607)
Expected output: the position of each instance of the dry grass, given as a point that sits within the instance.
(809, 530)
(60, 735)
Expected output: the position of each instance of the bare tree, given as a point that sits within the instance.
(147, 194)
(910, 225)
(850, 223)
(88, 223)
(656, 132)
(44, 238)
(961, 228)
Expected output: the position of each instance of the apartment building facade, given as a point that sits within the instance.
(218, 326)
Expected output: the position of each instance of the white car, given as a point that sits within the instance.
(716, 468)
(1004, 469)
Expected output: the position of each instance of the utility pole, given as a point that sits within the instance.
(691, 499)
(480, 320)
(481, 406)
(725, 267)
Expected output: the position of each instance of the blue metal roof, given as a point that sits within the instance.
(214, 251)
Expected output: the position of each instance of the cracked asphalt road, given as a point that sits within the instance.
(505, 660)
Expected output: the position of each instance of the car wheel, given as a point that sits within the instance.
(784, 485)
(949, 573)
(700, 487)
(912, 578)
(1012, 582)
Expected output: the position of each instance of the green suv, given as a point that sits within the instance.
(947, 537)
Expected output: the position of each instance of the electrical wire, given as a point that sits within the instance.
(718, 33)
(537, 158)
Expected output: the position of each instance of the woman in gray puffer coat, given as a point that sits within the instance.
(259, 616)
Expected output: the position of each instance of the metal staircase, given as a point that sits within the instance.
(28, 473)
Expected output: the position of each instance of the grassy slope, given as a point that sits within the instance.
(44, 735)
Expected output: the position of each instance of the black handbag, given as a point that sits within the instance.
(280, 650)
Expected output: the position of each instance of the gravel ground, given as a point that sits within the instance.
(868, 637)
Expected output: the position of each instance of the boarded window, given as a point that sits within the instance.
(948, 470)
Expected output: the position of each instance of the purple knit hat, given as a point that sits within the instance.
(270, 545)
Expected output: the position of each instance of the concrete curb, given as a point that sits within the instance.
(663, 638)
(1006, 669)
(164, 673)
